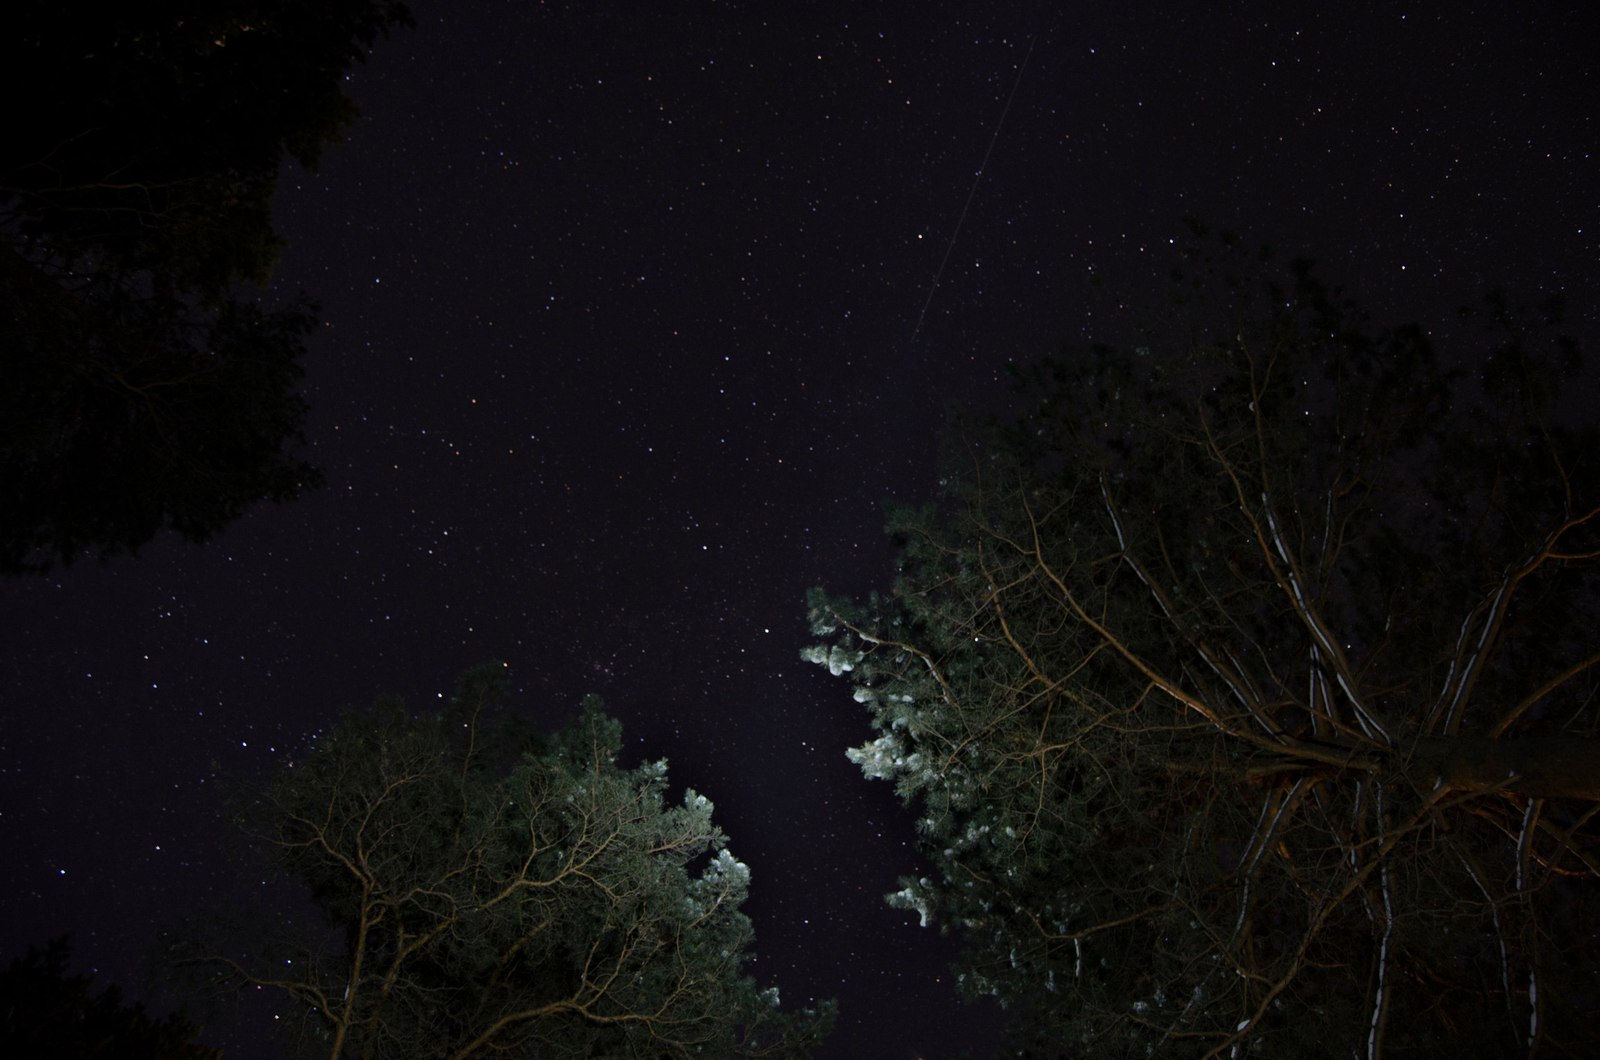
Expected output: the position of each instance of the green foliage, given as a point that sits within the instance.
(145, 391)
(47, 1013)
(1227, 683)
(498, 892)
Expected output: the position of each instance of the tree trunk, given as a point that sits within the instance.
(1552, 767)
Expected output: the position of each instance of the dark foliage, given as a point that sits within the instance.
(47, 1013)
(145, 388)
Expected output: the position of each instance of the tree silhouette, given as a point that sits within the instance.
(1247, 688)
(47, 1013)
(146, 387)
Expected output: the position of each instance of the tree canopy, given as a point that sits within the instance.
(146, 389)
(485, 891)
(1246, 686)
(47, 1012)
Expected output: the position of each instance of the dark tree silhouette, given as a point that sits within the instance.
(145, 387)
(47, 1013)
(1247, 687)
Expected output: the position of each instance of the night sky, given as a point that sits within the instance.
(630, 328)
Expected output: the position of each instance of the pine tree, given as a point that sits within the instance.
(498, 893)
(1246, 688)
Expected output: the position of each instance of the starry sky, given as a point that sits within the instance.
(630, 325)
